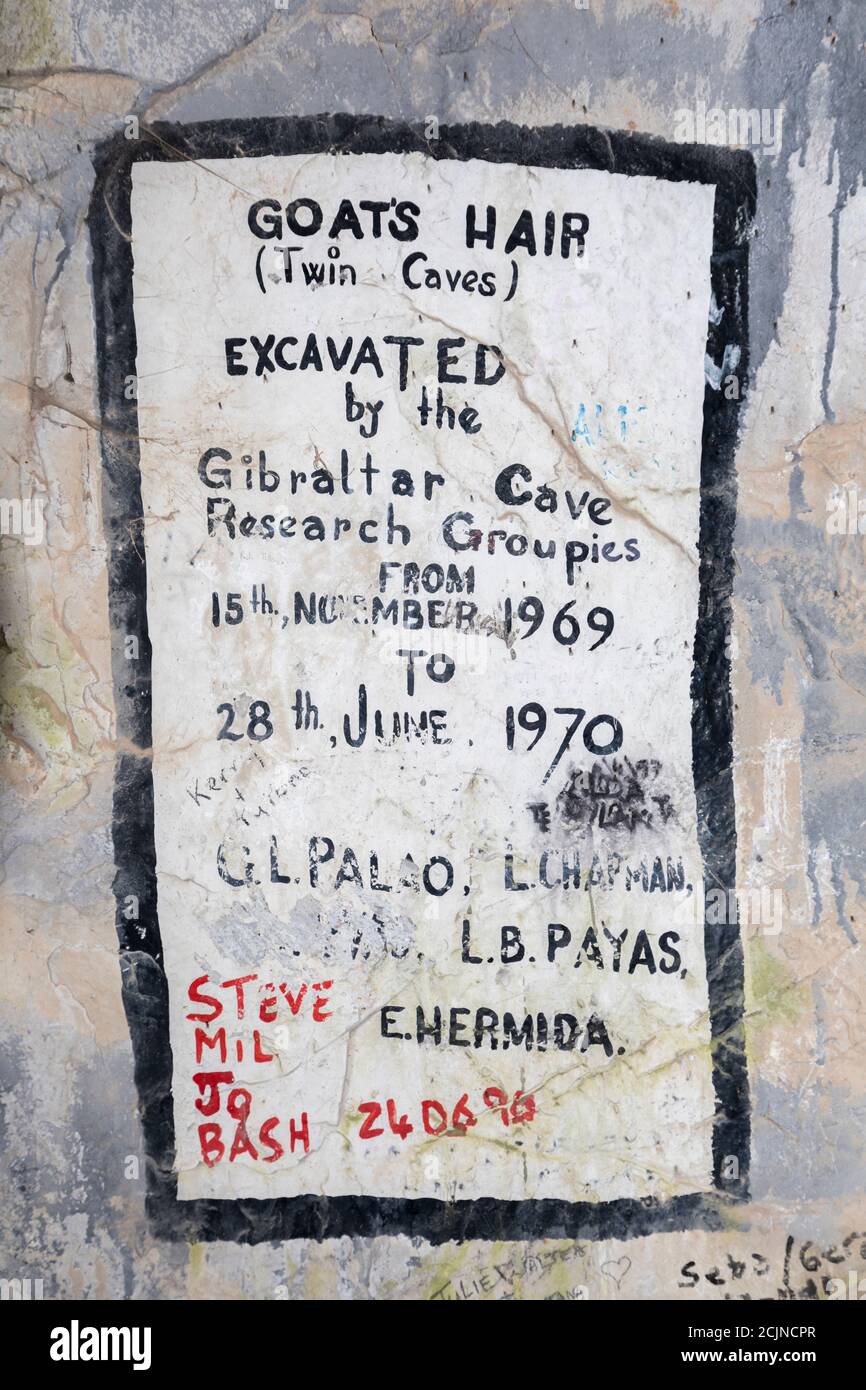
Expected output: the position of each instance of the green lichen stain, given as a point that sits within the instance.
(43, 703)
(38, 716)
(773, 993)
(30, 34)
(196, 1261)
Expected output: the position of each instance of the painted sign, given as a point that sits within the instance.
(419, 478)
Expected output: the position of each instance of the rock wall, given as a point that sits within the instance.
(76, 73)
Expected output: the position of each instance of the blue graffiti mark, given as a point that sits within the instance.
(589, 428)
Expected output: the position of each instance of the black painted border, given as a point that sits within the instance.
(145, 990)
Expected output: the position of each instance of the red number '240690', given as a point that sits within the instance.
(435, 1118)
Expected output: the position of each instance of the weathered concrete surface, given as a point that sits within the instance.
(74, 1210)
